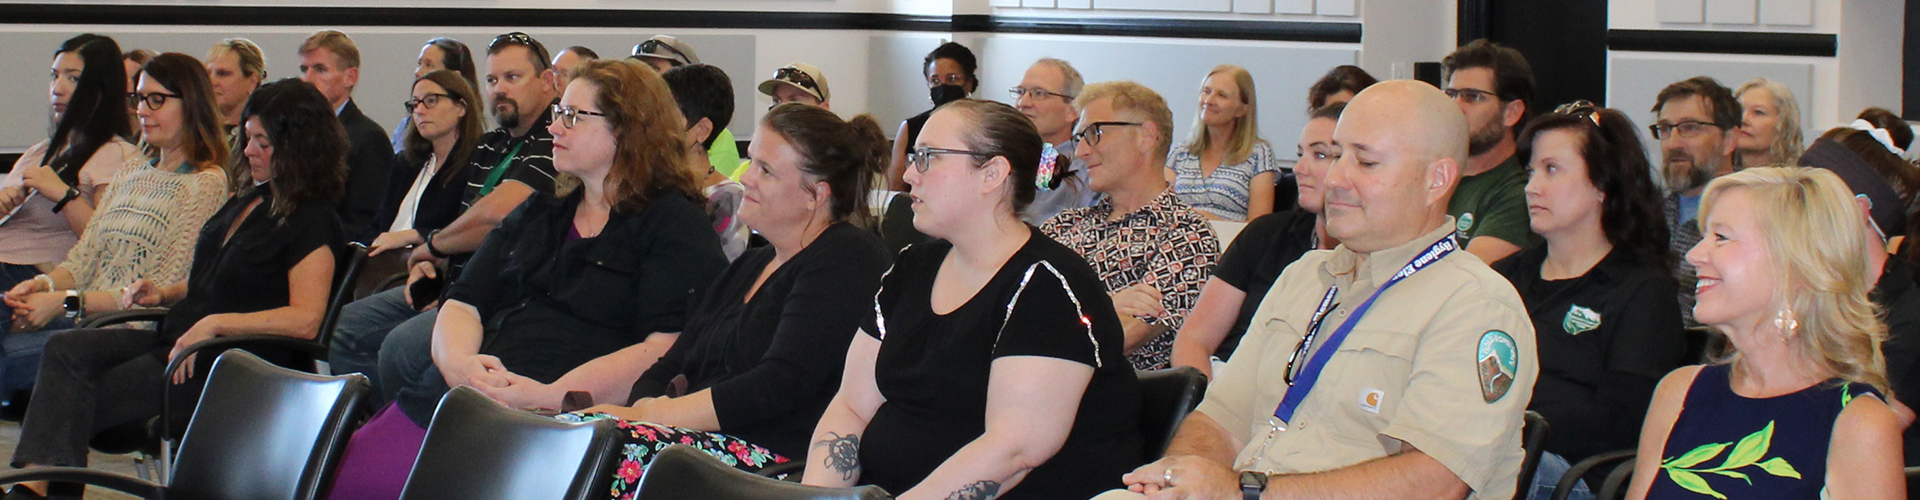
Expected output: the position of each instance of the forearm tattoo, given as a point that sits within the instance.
(983, 490)
(843, 454)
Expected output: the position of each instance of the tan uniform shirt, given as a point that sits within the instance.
(1444, 361)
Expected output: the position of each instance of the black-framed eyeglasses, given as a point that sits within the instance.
(652, 46)
(153, 99)
(1090, 135)
(1686, 129)
(1036, 93)
(514, 38)
(1470, 96)
(795, 76)
(430, 100)
(569, 115)
(1313, 331)
(921, 158)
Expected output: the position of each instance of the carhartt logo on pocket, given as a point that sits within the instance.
(1580, 320)
(1370, 399)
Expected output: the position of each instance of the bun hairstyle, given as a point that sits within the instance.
(1631, 213)
(995, 129)
(846, 154)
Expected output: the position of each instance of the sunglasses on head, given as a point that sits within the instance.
(796, 77)
(654, 46)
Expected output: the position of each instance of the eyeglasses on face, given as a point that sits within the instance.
(1090, 135)
(1687, 129)
(1471, 96)
(947, 79)
(921, 158)
(429, 100)
(1036, 93)
(796, 77)
(568, 116)
(153, 99)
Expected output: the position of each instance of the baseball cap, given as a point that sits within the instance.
(1887, 211)
(667, 47)
(800, 75)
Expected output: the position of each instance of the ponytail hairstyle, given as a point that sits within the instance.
(993, 129)
(1631, 211)
(847, 155)
(97, 110)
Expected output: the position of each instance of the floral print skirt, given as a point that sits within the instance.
(641, 440)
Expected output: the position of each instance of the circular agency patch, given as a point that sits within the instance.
(1499, 364)
(1465, 223)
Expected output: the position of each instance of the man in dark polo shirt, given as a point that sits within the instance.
(509, 164)
(1492, 85)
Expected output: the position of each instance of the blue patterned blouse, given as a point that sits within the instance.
(1225, 193)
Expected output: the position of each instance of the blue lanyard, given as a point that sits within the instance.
(1310, 374)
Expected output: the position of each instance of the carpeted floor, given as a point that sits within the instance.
(121, 464)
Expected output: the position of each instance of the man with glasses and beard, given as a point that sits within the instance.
(510, 164)
(1491, 84)
(1695, 120)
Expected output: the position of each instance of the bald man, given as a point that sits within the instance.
(1396, 365)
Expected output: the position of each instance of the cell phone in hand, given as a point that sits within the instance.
(425, 291)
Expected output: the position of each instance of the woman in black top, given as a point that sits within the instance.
(762, 353)
(427, 179)
(1257, 256)
(263, 265)
(993, 365)
(1599, 291)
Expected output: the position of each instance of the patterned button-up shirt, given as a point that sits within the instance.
(1165, 243)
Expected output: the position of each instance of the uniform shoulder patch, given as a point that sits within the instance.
(1580, 320)
(1499, 364)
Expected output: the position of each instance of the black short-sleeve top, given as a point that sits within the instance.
(549, 303)
(773, 362)
(248, 272)
(1254, 262)
(933, 369)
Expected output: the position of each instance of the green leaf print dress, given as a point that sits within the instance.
(1728, 446)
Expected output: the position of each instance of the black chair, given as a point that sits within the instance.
(477, 449)
(148, 439)
(261, 432)
(1618, 462)
(683, 473)
(1533, 436)
(1166, 397)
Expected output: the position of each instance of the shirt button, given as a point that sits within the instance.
(1342, 313)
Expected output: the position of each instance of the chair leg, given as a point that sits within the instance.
(164, 467)
(140, 467)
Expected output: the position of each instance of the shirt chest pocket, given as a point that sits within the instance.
(1372, 374)
(605, 291)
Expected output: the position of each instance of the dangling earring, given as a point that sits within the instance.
(1785, 322)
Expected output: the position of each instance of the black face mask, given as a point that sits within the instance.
(947, 93)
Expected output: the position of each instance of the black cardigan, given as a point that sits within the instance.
(439, 204)
(774, 362)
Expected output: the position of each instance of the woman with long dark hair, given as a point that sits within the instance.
(263, 264)
(1599, 291)
(48, 197)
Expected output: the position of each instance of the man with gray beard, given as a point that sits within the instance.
(1491, 84)
(1694, 121)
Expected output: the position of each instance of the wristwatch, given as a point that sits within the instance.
(1252, 483)
(72, 304)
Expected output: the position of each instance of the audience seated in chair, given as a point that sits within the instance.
(1225, 170)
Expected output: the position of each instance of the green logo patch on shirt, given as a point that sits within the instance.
(1464, 224)
(1580, 320)
(1499, 364)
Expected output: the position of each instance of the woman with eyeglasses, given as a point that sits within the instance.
(144, 229)
(1225, 170)
(1600, 291)
(579, 293)
(438, 54)
(263, 265)
(49, 196)
(993, 364)
(427, 180)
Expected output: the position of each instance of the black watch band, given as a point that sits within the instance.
(1252, 484)
(431, 250)
(65, 199)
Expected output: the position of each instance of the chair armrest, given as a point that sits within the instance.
(109, 480)
(119, 317)
(308, 346)
(1581, 469)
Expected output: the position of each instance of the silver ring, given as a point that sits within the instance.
(1166, 476)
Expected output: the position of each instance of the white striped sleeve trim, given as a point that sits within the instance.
(1078, 309)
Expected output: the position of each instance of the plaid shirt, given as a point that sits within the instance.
(1165, 242)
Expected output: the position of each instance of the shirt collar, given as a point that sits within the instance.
(1384, 263)
(1158, 204)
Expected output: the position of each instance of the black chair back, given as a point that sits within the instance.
(477, 449)
(263, 431)
(683, 473)
(1166, 397)
(343, 291)
(1533, 436)
(1595, 469)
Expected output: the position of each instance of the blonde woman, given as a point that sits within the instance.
(1783, 276)
(1769, 132)
(1226, 171)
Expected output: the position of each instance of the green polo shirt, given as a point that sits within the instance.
(1493, 203)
